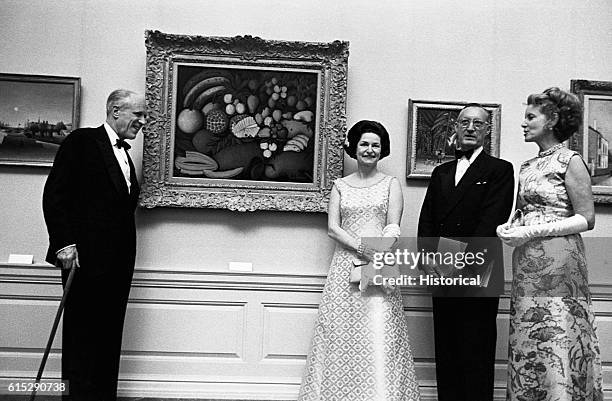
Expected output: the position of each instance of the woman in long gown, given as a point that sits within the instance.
(360, 348)
(553, 347)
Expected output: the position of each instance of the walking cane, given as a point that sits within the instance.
(53, 330)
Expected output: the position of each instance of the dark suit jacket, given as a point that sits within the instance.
(471, 211)
(86, 202)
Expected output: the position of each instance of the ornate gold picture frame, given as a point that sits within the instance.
(243, 123)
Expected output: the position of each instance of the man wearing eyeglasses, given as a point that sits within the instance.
(466, 199)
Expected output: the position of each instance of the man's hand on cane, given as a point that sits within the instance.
(68, 257)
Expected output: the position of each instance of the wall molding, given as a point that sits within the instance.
(259, 361)
(147, 277)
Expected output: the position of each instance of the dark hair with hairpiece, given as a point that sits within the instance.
(566, 105)
(354, 135)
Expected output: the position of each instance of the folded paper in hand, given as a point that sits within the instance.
(448, 245)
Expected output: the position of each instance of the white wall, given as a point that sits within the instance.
(428, 50)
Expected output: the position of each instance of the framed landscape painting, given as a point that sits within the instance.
(431, 134)
(594, 139)
(37, 112)
(243, 123)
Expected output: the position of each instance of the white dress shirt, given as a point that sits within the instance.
(463, 164)
(120, 154)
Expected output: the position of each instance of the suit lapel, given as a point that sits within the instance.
(473, 173)
(447, 179)
(110, 161)
(135, 189)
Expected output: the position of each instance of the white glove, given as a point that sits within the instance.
(391, 230)
(517, 236)
(382, 243)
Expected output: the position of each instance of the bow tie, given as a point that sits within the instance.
(121, 143)
(460, 153)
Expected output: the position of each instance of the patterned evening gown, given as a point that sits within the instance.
(360, 349)
(553, 346)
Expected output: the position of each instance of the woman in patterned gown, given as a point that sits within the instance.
(360, 349)
(553, 346)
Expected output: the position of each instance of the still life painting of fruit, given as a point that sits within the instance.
(241, 123)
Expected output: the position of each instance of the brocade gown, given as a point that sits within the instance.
(553, 347)
(360, 350)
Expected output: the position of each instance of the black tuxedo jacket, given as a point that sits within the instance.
(470, 211)
(86, 202)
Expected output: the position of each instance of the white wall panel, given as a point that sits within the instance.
(285, 336)
(222, 336)
(206, 329)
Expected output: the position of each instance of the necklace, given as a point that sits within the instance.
(551, 150)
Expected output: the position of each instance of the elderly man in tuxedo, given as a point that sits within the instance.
(88, 203)
(466, 200)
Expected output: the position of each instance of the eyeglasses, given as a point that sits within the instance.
(476, 123)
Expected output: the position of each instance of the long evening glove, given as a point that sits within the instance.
(517, 236)
(391, 230)
(362, 273)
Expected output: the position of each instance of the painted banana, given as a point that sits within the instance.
(202, 86)
(203, 75)
(183, 165)
(223, 174)
(296, 144)
(206, 161)
(291, 148)
(206, 95)
(192, 172)
(195, 162)
(302, 139)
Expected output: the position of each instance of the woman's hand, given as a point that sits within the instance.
(512, 236)
(379, 245)
(517, 236)
(502, 230)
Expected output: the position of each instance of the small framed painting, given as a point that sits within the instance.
(37, 112)
(594, 139)
(431, 134)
